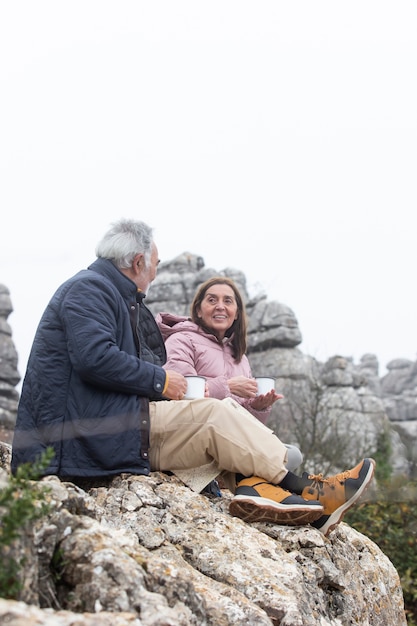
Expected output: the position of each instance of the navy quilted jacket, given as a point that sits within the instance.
(95, 362)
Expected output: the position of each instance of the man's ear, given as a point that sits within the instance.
(138, 263)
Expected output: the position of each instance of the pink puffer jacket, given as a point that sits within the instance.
(191, 351)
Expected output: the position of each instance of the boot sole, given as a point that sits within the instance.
(260, 510)
(337, 516)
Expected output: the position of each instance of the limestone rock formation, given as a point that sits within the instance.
(399, 388)
(9, 375)
(148, 551)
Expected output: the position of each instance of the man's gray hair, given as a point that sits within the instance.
(124, 240)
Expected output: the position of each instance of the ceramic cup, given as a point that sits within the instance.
(265, 384)
(196, 386)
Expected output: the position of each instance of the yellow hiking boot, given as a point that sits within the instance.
(338, 493)
(256, 500)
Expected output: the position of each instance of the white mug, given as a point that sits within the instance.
(265, 384)
(196, 386)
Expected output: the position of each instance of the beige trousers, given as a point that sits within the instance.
(200, 439)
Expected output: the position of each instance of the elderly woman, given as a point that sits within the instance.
(212, 343)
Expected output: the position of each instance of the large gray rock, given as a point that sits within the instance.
(9, 375)
(151, 549)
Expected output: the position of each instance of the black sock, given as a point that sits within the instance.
(294, 483)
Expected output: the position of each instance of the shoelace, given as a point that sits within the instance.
(319, 479)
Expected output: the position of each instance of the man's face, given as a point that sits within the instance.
(149, 272)
(153, 264)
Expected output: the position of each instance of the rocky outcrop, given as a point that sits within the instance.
(9, 375)
(399, 389)
(149, 551)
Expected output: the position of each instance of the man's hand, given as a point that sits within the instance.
(177, 386)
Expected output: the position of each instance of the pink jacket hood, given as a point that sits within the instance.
(169, 324)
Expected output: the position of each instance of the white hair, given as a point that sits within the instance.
(125, 239)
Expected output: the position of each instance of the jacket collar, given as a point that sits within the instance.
(106, 268)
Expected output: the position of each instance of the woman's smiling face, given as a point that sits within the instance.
(218, 309)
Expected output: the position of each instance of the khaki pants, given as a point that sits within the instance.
(219, 435)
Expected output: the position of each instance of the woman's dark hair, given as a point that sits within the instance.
(239, 326)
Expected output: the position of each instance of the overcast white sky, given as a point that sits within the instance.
(279, 138)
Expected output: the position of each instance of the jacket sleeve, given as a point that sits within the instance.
(184, 357)
(262, 416)
(181, 354)
(218, 388)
